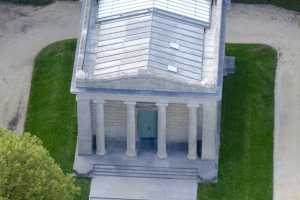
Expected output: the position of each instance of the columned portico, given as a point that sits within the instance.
(192, 137)
(131, 129)
(162, 131)
(100, 130)
(209, 128)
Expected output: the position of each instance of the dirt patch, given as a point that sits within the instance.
(24, 31)
(13, 123)
(11, 12)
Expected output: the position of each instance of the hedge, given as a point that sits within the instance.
(288, 4)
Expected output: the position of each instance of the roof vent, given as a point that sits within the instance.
(174, 45)
(172, 68)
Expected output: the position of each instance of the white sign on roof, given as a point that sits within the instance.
(196, 9)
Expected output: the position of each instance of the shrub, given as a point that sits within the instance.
(27, 172)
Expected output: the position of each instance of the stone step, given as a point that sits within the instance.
(152, 168)
(145, 171)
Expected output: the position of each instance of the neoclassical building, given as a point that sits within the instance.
(148, 80)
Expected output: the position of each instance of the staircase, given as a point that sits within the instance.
(145, 172)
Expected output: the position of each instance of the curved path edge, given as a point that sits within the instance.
(24, 31)
(280, 29)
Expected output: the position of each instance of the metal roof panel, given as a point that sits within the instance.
(196, 9)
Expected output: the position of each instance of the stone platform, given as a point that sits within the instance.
(121, 188)
(116, 163)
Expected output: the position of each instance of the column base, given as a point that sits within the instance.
(100, 153)
(84, 147)
(192, 157)
(162, 156)
(131, 154)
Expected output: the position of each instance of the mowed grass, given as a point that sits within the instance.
(52, 109)
(247, 119)
(246, 153)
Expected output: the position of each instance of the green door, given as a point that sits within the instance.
(147, 124)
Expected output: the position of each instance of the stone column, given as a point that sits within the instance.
(162, 131)
(131, 126)
(192, 138)
(209, 130)
(84, 138)
(100, 131)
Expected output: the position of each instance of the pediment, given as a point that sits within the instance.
(147, 83)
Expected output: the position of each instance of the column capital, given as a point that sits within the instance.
(82, 98)
(99, 100)
(162, 104)
(130, 102)
(208, 103)
(193, 105)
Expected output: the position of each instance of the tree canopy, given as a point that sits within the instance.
(27, 171)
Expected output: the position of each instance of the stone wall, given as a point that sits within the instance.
(115, 119)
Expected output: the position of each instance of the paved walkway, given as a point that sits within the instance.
(281, 29)
(24, 31)
(104, 188)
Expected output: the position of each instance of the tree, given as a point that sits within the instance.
(27, 172)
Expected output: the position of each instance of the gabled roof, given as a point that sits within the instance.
(151, 41)
(122, 40)
(195, 9)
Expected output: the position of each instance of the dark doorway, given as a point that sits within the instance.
(147, 129)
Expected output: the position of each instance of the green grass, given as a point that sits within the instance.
(246, 154)
(247, 119)
(52, 110)
(288, 4)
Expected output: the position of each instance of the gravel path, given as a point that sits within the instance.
(281, 29)
(24, 31)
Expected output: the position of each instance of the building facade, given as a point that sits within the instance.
(148, 80)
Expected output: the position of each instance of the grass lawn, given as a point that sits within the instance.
(246, 154)
(247, 119)
(52, 110)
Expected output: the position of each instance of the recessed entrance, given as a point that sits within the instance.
(147, 130)
(147, 124)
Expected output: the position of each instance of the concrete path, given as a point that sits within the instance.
(281, 29)
(104, 187)
(24, 31)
